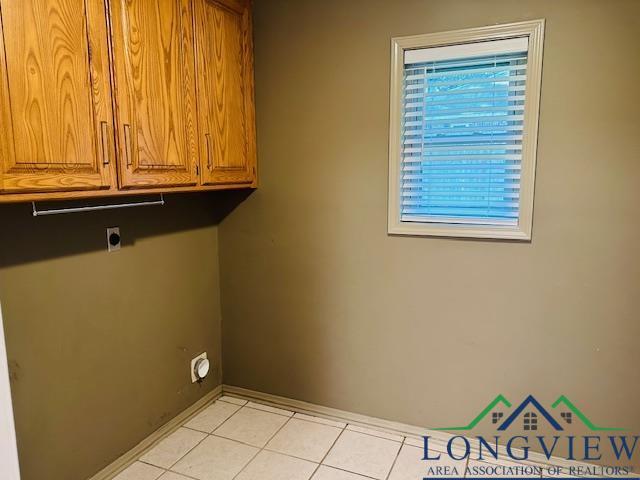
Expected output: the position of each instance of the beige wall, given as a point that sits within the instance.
(99, 344)
(320, 304)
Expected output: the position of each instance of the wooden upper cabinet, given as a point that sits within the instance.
(55, 99)
(224, 75)
(110, 97)
(155, 92)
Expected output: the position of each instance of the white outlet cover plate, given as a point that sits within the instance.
(113, 248)
(194, 379)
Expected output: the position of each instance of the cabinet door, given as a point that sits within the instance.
(55, 99)
(155, 92)
(225, 91)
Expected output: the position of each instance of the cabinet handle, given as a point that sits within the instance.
(127, 144)
(208, 140)
(105, 143)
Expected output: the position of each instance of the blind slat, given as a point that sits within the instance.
(481, 65)
(465, 156)
(435, 169)
(463, 211)
(474, 89)
(476, 119)
(457, 130)
(493, 139)
(459, 220)
(463, 196)
(466, 98)
(461, 186)
(468, 82)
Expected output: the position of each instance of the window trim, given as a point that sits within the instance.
(534, 29)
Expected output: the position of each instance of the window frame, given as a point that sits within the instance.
(534, 30)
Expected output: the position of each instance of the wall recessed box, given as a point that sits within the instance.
(178, 122)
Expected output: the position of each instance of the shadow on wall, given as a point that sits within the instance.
(99, 345)
(25, 238)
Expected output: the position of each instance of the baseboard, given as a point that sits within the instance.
(333, 413)
(438, 439)
(115, 467)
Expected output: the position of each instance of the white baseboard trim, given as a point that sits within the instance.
(332, 413)
(438, 439)
(115, 467)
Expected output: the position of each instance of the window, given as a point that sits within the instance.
(463, 133)
(530, 421)
(496, 416)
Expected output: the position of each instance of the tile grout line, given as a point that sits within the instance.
(139, 459)
(189, 451)
(165, 470)
(395, 460)
(345, 429)
(324, 457)
(381, 432)
(366, 477)
(269, 411)
(261, 449)
(332, 418)
(325, 416)
(181, 474)
(206, 435)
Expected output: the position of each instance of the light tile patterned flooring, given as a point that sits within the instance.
(233, 439)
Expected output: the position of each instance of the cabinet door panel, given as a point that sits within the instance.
(154, 72)
(225, 91)
(55, 98)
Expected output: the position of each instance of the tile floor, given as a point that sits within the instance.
(235, 439)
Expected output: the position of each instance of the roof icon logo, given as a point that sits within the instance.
(531, 411)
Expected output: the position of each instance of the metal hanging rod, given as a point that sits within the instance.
(58, 211)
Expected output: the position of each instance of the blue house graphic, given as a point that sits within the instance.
(530, 418)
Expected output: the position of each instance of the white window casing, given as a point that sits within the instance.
(463, 131)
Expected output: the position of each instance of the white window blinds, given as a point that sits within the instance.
(463, 111)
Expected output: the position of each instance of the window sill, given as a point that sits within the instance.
(460, 231)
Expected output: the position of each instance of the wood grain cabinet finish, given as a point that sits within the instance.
(121, 97)
(55, 98)
(155, 92)
(224, 76)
